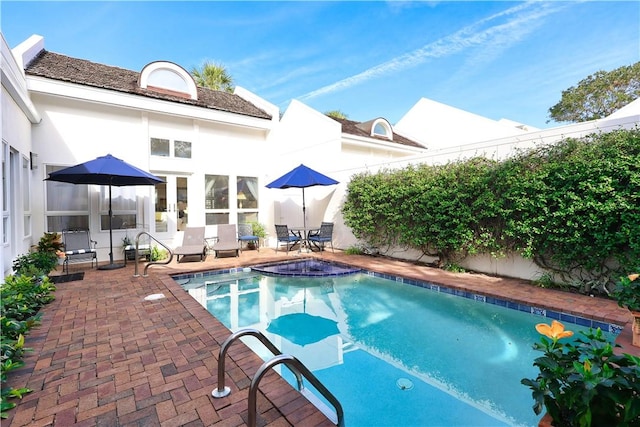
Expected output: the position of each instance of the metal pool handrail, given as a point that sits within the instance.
(149, 264)
(298, 368)
(294, 365)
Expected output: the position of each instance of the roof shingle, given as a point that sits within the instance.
(79, 71)
(352, 128)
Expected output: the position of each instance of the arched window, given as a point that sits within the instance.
(169, 78)
(381, 128)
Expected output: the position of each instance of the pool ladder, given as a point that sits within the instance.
(150, 263)
(294, 365)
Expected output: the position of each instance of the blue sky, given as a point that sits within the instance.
(368, 59)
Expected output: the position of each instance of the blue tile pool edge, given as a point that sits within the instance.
(527, 308)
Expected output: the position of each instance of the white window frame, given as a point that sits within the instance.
(382, 124)
(63, 213)
(26, 196)
(128, 192)
(173, 148)
(6, 185)
(223, 211)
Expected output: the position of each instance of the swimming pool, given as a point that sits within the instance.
(392, 353)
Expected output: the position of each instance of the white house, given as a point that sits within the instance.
(438, 126)
(214, 150)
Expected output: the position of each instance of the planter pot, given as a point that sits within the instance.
(546, 421)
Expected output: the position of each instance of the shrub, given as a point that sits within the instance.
(353, 250)
(21, 297)
(35, 264)
(584, 383)
(627, 292)
(571, 207)
(158, 254)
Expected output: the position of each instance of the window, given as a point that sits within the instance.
(382, 128)
(247, 199)
(123, 207)
(169, 78)
(5, 195)
(216, 199)
(379, 130)
(160, 147)
(26, 195)
(216, 218)
(247, 217)
(164, 147)
(247, 192)
(182, 149)
(67, 205)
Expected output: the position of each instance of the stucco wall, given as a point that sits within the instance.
(17, 112)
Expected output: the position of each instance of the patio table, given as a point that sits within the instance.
(303, 233)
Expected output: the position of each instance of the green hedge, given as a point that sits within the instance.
(573, 207)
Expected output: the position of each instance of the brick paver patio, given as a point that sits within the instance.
(105, 356)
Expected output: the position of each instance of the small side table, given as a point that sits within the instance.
(210, 241)
(130, 252)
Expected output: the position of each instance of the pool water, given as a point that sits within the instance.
(393, 354)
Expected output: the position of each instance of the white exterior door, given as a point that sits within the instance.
(171, 205)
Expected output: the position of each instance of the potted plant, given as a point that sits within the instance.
(258, 230)
(583, 382)
(627, 293)
(126, 247)
(50, 243)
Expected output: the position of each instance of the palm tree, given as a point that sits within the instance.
(213, 76)
(336, 114)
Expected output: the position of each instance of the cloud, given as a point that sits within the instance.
(494, 34)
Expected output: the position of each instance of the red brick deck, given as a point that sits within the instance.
(104, 356)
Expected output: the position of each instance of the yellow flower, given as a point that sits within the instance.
(555, 331)
(587, 366)
(633, 277)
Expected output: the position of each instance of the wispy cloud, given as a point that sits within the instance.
(494, 34)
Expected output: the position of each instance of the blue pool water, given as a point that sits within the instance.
(392, 353)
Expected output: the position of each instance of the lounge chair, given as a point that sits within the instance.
(78, 247)
(227, 240)
(193, 243)
(285, 236)
(324, 236)
(245, 235)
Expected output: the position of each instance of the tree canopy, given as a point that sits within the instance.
(598, 95)
(213, 76)
(336, 114)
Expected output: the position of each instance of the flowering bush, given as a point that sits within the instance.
(584, 383)
(627, 292)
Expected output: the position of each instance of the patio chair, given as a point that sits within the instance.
(227, 239)
(193, 243)
(324, 236)
(78, 247)
(245, 235)
(286, 237)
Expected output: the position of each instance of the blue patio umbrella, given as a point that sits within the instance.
(302, 177)
(105, 170)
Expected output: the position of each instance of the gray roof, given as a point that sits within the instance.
(352, 128)
(79, 71)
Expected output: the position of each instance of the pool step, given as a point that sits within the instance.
(318, 403)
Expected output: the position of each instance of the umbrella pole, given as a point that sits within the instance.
(111, 265)
(110, 228)
(304, 213)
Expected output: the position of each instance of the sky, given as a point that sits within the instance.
(502, 59)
